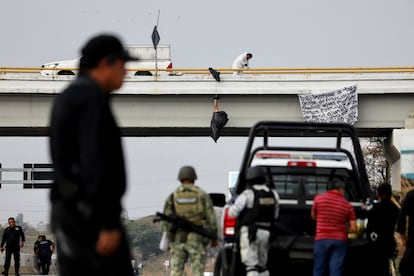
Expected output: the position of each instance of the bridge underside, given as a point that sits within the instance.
(190, 115)
(173, 132)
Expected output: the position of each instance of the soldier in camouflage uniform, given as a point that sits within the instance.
(194, 205)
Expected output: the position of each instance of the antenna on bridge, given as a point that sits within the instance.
(155, 40)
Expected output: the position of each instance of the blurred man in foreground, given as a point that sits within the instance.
(89, 167)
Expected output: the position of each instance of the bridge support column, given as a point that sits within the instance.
(400, 154)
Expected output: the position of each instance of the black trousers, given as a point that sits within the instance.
(378, 257)
(93, 264)
(76, 239)
(77, 256)
(44, 264)
(16, 254)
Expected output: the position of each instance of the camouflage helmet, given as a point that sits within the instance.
(256, 175)
(187, 172)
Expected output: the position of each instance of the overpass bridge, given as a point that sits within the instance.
(179, 102)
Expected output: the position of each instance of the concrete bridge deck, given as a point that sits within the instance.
(182, 105)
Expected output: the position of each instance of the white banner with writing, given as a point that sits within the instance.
(339, 106)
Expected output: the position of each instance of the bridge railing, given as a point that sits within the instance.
(204, 71)
(277, 71)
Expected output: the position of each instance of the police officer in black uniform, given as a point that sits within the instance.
(36, 248)
(382, 219)
(44, 250)
(13, 237)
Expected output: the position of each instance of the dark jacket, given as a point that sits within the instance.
(44, 249)
(382, 219)
(12, 237)
(87, 156)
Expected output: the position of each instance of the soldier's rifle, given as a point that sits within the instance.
(185, 225)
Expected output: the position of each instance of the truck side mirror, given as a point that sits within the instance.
(219, 200)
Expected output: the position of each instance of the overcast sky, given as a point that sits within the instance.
(294, 33)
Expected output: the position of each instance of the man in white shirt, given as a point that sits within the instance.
(241, 62)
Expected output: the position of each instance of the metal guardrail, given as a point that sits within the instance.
(277, 71)
(274, 71)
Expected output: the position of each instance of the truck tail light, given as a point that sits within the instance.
(170, 66)
(229, 224)
(301, 164)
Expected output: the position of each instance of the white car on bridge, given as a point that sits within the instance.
(145, 66)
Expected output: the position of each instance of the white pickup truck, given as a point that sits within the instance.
(146, 66)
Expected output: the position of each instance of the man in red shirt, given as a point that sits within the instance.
(332, 212)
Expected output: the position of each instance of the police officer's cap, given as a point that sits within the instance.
(256, 175)
(188, 173)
